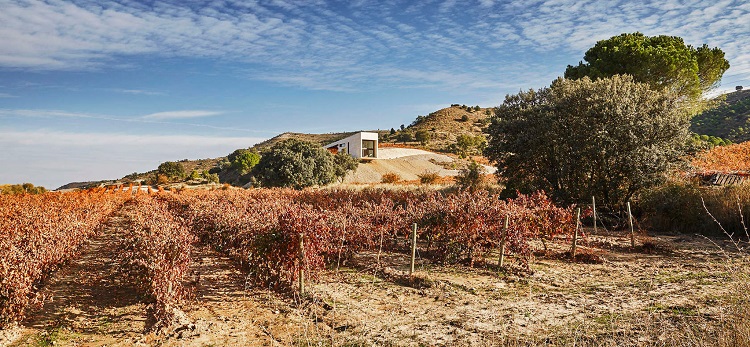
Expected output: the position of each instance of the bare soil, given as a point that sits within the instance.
(633, 297)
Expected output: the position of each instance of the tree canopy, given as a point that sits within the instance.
(296, 164)
(661, 61)
(609, 138)
(172, 170)
(243, 160)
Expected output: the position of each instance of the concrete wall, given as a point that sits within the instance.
(353, 144)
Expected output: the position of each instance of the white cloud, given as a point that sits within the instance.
(322, 45)
(185, 114)
(6, 95)
(53, 158)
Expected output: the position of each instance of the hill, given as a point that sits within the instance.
(729, 120)
(445, 125)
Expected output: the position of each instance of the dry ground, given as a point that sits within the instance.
(679, 290)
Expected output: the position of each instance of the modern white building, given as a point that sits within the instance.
(362, 145)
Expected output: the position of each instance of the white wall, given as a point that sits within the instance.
(354, 143)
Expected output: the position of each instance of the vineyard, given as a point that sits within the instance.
(273, 236)
(730, 158)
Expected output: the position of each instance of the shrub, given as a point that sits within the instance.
(677, 207)
(390, 178)
(428, 177)
(472, 177)
(465, 118)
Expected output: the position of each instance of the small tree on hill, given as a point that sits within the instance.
(423, 136)
(343, 163)
(404, 136)
(243, 160)
(172, 171)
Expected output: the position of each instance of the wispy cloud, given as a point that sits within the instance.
(185, 114)
(138, 92)
(6, 95)
(32, 113)
(344, 47)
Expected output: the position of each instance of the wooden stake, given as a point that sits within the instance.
(630, 220)
(413, 247)
(575, 235)
(301, 263)
(593, 207)
(503, 238)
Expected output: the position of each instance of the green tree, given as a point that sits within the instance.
(404, 136)
(296, 164)
(468, 144)
(243, 160)
(343, 163)
(471, 178)
(660, 61)
(174, 171)
(610, 138)
(423, 136)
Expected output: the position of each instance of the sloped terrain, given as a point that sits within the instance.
(447, 124)
(730, 120)
(730, 158)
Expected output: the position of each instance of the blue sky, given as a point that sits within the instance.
(98, 89)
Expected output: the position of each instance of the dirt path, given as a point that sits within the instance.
(89, 303)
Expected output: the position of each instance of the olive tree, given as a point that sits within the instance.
(296, 164)
(610, 138)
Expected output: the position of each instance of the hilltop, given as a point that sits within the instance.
(729, 120)
(445, 125)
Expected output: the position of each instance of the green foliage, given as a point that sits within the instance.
(465, 118)
(243, 160)
(660, 61)
(343, 163)
(610, 138)
(703, 142)
(467, 144)
(423, 136)
(295, 164)
(471, 178)
(404, 136)
(173, 171)
(428, 177)
(392, 132)
(25, 188)
(730, 119)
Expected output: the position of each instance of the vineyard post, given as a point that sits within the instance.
(301, 263)
(504, 235)
(593, 207)
(630, 221)
(575, 235)
(413, 247)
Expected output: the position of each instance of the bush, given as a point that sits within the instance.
(298, 164)
(465, 118)
(423, 136)
(390, 178)
(243, 160)
(428, 177)
(472, 177)
(173, 171)
(677, 207)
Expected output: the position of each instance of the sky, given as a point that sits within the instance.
(93, 90)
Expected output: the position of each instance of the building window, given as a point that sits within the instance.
(368, 148)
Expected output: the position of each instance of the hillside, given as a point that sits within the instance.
(445, 125)
(730, 120)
